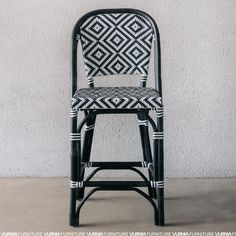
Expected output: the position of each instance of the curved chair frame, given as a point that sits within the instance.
(80, 157)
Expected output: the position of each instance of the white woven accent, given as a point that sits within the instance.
(143, 122)
(158, 135)
(160, 184)
(81, 184)
(90, 80)
(144, 78)
(74, 184)
(89, 127)
(160, 112)
(75, 136)
(73, 113)
(157, 184)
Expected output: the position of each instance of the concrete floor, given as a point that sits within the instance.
(41, 204)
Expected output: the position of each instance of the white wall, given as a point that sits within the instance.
(199, 69)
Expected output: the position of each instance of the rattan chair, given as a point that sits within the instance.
(116, 42)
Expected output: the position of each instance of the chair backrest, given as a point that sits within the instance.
(115, 41)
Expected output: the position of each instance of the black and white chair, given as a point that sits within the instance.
(116, 41)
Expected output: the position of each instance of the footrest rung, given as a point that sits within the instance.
(115, 165)
(114, 184)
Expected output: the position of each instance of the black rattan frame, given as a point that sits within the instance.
(80, 154)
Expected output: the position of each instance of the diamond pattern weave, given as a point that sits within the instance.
(116, 44)
(116, 98)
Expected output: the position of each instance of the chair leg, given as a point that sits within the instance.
(86, 151)
(146, 147)
(159, 166)
(75, 171)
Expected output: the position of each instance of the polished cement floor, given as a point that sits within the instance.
(41, 204)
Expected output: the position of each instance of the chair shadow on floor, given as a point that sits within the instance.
(195, 209)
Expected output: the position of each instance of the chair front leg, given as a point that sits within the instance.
(86, 151)
(146, 147)
(159, 165)
(75, 163)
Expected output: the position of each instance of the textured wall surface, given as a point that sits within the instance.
(199, 70)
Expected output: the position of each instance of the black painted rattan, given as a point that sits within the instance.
(104, 35)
